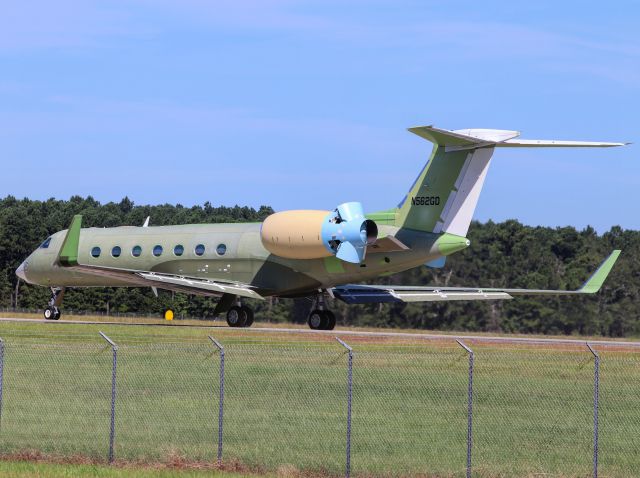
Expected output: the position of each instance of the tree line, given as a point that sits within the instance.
(507, 254)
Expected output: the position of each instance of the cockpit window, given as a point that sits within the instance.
(46, 243)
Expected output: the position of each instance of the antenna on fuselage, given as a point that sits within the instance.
(146, 222)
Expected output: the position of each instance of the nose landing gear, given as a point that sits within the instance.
(52, 312)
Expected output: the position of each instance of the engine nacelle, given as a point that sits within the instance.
(309, 234)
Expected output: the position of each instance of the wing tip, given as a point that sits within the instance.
(595, 282)
(68, 255)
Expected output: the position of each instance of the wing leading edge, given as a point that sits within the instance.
(368, 294)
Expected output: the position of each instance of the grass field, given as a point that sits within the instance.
(22, 469)
(285, 402)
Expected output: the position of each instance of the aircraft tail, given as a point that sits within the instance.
(444, 196)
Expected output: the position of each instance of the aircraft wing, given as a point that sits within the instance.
(368, 294)
(68, 258)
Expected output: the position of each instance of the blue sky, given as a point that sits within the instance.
(306, 104)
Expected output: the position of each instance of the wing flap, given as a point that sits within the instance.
(216, 287)
(188, 285)
(361, 294)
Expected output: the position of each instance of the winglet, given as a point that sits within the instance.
(594, 282)
(68, 255)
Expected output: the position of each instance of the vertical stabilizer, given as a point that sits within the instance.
(446, 193)
(444, 197)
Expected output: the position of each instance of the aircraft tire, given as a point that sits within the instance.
(331, 320)
(249, 313)
(236, 317)
(318, 320)
(51, 313)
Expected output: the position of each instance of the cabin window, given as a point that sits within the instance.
(157, 251)
(199, 250)
(178, 250)
(95, 252)
(46, 243)
(116, 251)
(136, 251)
(221, 249)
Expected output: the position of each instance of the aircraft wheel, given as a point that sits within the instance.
(249, 312)
(236, 317)
(52, 313)
(318, 320)
(331, 320)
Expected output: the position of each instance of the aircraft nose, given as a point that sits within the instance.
(20, 272)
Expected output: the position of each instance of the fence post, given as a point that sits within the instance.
(469, 406)
(1, 377)
(596, 398)
(112, 429)
(221, 400)
(347, 472)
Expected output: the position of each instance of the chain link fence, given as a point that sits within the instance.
(427, 408)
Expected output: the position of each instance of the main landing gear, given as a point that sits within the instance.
(322, 320)
(52, 312)
(319, 317)
(240, 316)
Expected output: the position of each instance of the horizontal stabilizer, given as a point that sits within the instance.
(479, 138)
(552, 143)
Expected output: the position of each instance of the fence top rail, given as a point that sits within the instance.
(344, 344)
(464, 346)
(111, 342)
(216, 343)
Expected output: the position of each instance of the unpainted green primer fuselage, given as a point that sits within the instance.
(244, 261)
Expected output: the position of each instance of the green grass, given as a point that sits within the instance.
(285, 402)
(12, 469)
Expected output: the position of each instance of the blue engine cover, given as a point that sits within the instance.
(346, 232)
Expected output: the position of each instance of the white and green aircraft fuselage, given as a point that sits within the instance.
(303, 252)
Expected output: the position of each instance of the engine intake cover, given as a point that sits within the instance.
(309, 234)
(295, 234)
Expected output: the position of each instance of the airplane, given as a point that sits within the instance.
(303, 253)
